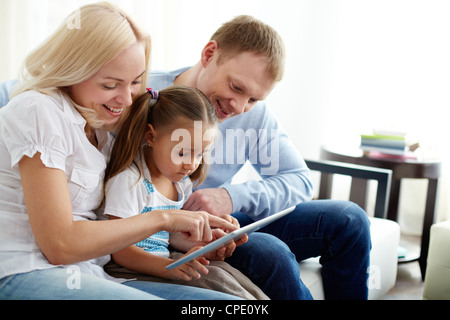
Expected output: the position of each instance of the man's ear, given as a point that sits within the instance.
(209, 52)
(150, 135)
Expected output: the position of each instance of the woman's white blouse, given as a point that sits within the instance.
(36, 123)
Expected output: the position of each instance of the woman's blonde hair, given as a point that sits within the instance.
(246, 33)
(174, 105)
(76, 52)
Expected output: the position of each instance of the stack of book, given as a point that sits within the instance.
(391, 143)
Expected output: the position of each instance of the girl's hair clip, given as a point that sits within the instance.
(154, 93)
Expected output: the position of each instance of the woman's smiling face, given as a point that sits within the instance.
(114, 86)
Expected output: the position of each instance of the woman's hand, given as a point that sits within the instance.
(195, 226)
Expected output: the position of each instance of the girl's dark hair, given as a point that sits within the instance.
(174, 103)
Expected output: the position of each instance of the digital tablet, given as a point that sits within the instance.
(232, 236)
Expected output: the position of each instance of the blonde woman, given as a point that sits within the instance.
(53, 148)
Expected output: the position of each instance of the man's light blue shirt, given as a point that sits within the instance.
(5, 91)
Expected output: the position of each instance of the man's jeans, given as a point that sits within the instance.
(337, 231)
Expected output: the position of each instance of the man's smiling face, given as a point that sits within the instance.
(235, 84)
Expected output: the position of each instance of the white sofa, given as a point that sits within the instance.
(437, 276)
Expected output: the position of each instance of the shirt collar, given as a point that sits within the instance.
(72, 112)
(69, 108)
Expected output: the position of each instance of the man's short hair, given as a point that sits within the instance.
(245, 33)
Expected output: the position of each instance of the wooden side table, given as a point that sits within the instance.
(401, 168)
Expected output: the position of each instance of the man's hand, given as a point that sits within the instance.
(214, 201)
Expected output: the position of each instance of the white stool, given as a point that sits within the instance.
(437, 276)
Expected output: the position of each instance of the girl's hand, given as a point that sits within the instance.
(235, 222)
(226, 251)
(190, 270)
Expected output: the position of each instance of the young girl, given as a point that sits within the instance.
(177, 126)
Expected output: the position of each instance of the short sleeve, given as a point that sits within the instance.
(124, 196)
(34, 123)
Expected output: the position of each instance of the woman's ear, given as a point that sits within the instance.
(209, 52)
(150, 135)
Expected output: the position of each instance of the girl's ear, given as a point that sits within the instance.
(150, 135)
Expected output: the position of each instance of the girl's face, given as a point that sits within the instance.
(114, 86)
(177, 153)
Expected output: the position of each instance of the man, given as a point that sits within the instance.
(238, 69)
